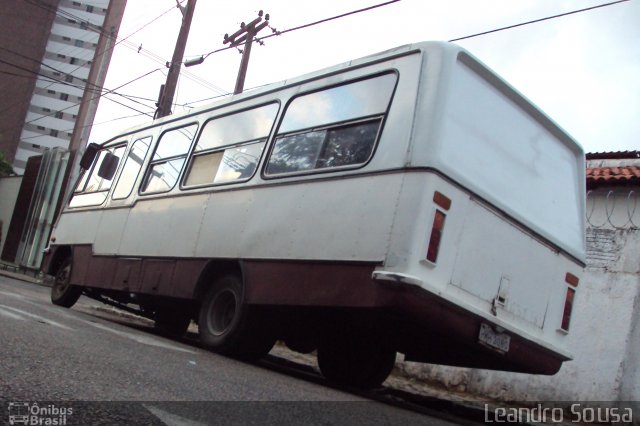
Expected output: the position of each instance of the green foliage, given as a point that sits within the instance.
(5, 166)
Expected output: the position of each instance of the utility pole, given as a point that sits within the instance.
(248, 32)
(168, 90)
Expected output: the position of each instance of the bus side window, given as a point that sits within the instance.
(92, 190)
(168, 159)
(131, 168)
(216, 161)
(334, 127)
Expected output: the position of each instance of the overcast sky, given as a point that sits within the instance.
(583, 70)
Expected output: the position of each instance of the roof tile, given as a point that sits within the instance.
(613, 175)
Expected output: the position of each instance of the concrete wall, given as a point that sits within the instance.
(9, 187)
(605, 327)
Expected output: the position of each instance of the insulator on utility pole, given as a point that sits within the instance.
(247, 32)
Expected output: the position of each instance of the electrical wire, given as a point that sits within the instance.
(276, 33)
(91, 26)
(100, 95)
(126, 43)
(94, 89)
(538, 20)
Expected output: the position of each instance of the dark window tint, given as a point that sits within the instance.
(336, 127)
(335, 147)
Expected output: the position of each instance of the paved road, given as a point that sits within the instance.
(48, 353)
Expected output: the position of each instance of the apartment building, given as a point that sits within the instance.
(53, 60)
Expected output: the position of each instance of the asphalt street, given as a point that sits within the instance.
(113, 370)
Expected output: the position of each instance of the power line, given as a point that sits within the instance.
(103, 94)
(100, 95)
(538, 20)
(89, 125)
(90, 26)
(322, 21)
(94, 89)
(277, 33)
(128, 44)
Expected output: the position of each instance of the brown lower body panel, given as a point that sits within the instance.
(153, 276)
(429, 328)
(451, 331)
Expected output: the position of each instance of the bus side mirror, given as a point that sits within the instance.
(109, 166)
(89, 155)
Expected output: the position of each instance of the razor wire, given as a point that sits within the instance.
(615, 210)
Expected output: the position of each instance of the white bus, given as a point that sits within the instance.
(409, 201)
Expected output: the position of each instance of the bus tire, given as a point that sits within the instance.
(172, 323)
(63, 293)
(227, 325)
(355, 359)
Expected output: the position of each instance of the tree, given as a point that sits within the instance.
(5, 166)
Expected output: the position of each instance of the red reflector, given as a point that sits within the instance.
(436, 236)
(568, 306)
(572, 279)
(442, 200)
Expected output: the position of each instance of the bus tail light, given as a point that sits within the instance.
(436, 236)
(572, 280)
(443, 202)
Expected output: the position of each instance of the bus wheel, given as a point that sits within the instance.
(63, 293)
(226, 324)
(355, 359)
(171, 322)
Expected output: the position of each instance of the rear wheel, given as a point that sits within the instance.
(353, 358)
(227, 325)
(63, 293)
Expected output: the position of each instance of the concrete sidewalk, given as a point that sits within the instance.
(21, 275)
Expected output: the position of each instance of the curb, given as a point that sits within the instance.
(24, 277)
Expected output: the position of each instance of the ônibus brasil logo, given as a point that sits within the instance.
(34, 414)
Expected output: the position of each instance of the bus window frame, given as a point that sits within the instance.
(192, 152)
(87, 174)
(144, 161)
(150, 162)
(332, 125)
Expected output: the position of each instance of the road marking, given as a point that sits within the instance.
(36, 317)
(11, 315)
(171, 419)
(16, 295)
(141, 339)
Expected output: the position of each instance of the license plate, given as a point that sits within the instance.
(499, 341)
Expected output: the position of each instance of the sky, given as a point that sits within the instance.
(583, 70)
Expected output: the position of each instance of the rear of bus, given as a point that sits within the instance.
(488, 238)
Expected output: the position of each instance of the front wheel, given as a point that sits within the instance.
(63, 293)
(227, 325)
